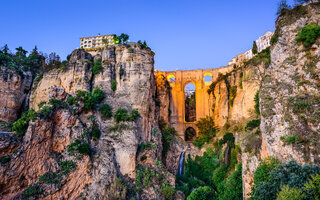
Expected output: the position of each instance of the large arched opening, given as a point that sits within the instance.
(207, 78)
(190, 102)
(190, 134)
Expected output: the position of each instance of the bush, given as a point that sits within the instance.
(67, 166)
(95, 133)
(232, 95)
(98, 95)
(20, 126)
(144, 157)
(290, 173)
(312, 187)
(45, 112)
(308, 35)
(219, 174)
(120, 115)
(48, 178)
(167, 192)
(232, 186)
(291, 139)
(97, 67)
(32, 191)
(253, 124)
(290, 193)
(257, 104)
(207, 131)
(119, 127)
(5, 159)
(87, 99)
(114, 85)
(227, 137)
(274, 38)
(117, 190)
(167, 137)
(202, 193)
(79, 146)
(134, 114)
(56, 104)
(90, 99)
(72, 101)
(106, 111)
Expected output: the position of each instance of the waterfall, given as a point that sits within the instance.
(181, 161)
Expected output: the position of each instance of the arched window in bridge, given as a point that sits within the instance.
(189, 134)
(171, 78)
(207, 78)
(190, 102)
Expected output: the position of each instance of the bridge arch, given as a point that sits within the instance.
(190, 109)
(207, 78)
(204, 101)
(190, 134)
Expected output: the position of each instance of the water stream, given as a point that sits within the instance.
(181, 163)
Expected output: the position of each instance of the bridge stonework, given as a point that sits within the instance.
(204, 102)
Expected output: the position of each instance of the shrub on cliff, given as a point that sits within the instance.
(32, 191)
(67, 166)
(253, 124)
(97, 67)
(134, 115)
(78, 146)
(45, 112)
(56, 104)
(308, 35)
(202, 193)
(121, 115)
(90, 99)
(290, 193)
(114, 85)
(291, 174)
(95, 133)
(207, 131)
(106, 111)
(20, 126)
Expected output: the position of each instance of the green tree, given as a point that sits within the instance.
(21, 52)
(287, 193)
(283, 4)
(202, 193)
(312, 187)
(5, 49)
(254, 48)
(123, 38)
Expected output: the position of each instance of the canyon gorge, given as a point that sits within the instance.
(110, 126)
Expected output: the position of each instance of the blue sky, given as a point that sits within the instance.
(185, 34)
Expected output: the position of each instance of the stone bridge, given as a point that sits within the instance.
(203, 100)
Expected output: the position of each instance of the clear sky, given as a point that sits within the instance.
(185, 34)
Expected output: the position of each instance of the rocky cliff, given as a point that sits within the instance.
(14, 87)
(70, 151)
(289, 98)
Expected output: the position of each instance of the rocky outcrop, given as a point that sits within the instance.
(76, 76)
(115, 154)
(233, 94)
(14, 87)
(290, 102)
(289, 99)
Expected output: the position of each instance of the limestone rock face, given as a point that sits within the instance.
(242, 83)
(76, 76)
(290, 101)
(37, 154)
(115, 154)
(14, 88)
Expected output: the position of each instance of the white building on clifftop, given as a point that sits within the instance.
(263, 42)
(95, 42)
